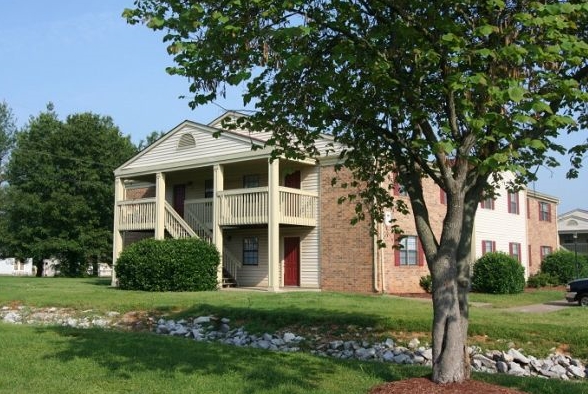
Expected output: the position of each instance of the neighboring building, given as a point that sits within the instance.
(15, 267)
(573, 230)
(278, 224)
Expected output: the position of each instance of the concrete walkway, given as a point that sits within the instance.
(551, 306)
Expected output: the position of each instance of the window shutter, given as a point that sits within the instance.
(549, 212)
(539, 208)
(518, 204)
(420, 254)
(442, 196)
(493, 246)
(492, 204)
(530, 260)
(396, 188)
(508, 201)
(396, 251)
(528, 208)
(483, 248)
(510, 249)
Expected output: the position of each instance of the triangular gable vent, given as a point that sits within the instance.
(186, 141)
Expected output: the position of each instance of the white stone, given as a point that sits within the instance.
(518, 356)
(288, 337)
(577, 371)
(515, 369)
(202, 320)
(414, 343)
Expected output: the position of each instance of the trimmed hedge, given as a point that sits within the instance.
(498, 273)
(188, 264)
(562, 265)
(542, 280)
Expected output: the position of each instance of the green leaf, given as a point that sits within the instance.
(516, 93)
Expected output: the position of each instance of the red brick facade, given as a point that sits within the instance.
(346, 251)
(541, 229)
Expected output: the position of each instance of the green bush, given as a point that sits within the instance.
(498, 273)
(168, 265)
(562, 264)
(542, 279)
(426, 283)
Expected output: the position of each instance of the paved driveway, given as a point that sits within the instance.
(551, 306)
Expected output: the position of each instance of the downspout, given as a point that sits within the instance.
(375, 256)
(382, 271)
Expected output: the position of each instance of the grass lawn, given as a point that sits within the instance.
(55, 359)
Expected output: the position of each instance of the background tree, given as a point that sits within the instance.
(59, 199)
(150, 139)
(456, 91)
(7, 131)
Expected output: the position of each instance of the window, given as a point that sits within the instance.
(442, 196)
(488, 246)
(544, 212)
(250, 251)
(545, 251)
(515, 250)
(513, 203)
(208, 188)
(399, 190)
(409, 251)
(487, 203)
(250, 181)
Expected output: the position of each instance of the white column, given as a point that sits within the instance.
(274, 225)
(117, 241)
(159, 206)
(217, 232)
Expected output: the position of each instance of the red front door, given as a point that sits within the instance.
(291, 261)
(179, 198)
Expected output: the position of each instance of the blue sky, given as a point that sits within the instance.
(82, 56)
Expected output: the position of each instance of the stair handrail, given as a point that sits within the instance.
(175, 225)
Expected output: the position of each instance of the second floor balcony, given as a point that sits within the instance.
(237, 207)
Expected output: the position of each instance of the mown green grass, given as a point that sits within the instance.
(44, 359)
(526, 298)
(65, 360)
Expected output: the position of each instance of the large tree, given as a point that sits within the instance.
(457, 91)
(7, 131)
(60, 193)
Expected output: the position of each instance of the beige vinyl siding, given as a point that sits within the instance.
(502, 227)
(249, 275)
(166, 151)
(309, 251)
(234, 173)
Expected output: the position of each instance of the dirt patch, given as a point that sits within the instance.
(426, 386)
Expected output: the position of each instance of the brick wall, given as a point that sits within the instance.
(346, 251)
(140, 192)
(539, 232)
(405, 279)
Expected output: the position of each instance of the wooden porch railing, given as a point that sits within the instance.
(231, 264)
(136, 214)
(239, 207)
(198, 214)
(298, 207)
(175, 225)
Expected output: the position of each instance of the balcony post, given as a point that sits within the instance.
(159, 206)
(217, 232)
(273, 225)
(117, 240)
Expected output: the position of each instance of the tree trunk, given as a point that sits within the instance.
(450, 357)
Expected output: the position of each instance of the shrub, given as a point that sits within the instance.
(498, 273)
(562, 264)
(542, 279)
(168, 265)
(426, 283)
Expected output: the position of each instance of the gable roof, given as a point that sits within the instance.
(573, 221)
(172, 152)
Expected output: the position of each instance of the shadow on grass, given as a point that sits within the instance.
(266, 320)
(124, 354)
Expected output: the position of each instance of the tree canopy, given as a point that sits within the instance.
(60, 193)
(7, 130)
(457, 91)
